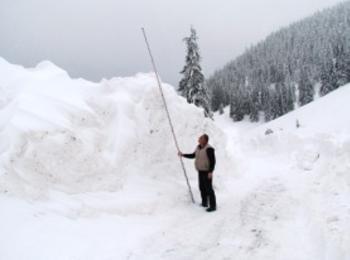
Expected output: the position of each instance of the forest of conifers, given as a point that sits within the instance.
(288, 69)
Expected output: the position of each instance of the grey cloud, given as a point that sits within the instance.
(96, 39)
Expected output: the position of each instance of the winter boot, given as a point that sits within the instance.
(211, 209)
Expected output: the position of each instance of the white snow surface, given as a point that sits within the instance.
(90, 171)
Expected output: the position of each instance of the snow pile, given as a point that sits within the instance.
(76, 136)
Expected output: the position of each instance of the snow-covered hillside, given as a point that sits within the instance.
(89, 171)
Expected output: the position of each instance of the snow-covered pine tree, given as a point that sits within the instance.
(306, 89)
(274, 106)
(254, 100)
(218, 98)
(192, 85)
(237, 105)
(329, 80)
(343, 69)
(268, 106)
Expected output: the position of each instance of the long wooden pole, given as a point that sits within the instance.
(167, 112)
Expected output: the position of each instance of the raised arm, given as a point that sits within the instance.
(187, 155)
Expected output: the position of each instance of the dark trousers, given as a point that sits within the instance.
(206, 189)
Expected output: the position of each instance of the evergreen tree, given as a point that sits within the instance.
(236, 106)
(343, 69)
(275, 105)
(218, 98)
(271, 107)
(192, 85)
(287, 98)
(329, 80)
(291, 97)
(254, 107)
(306, 89)
(280, 98)
(200, 98)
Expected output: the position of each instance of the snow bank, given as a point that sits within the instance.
(71, 135)
(311, 159)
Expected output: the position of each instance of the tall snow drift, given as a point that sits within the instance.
(76, 136)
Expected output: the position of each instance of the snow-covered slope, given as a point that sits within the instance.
(329, 115)
(302, 161)
(89, 171)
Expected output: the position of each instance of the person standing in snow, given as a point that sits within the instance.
(204, 156)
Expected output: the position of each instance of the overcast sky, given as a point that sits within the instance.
(97, 39)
